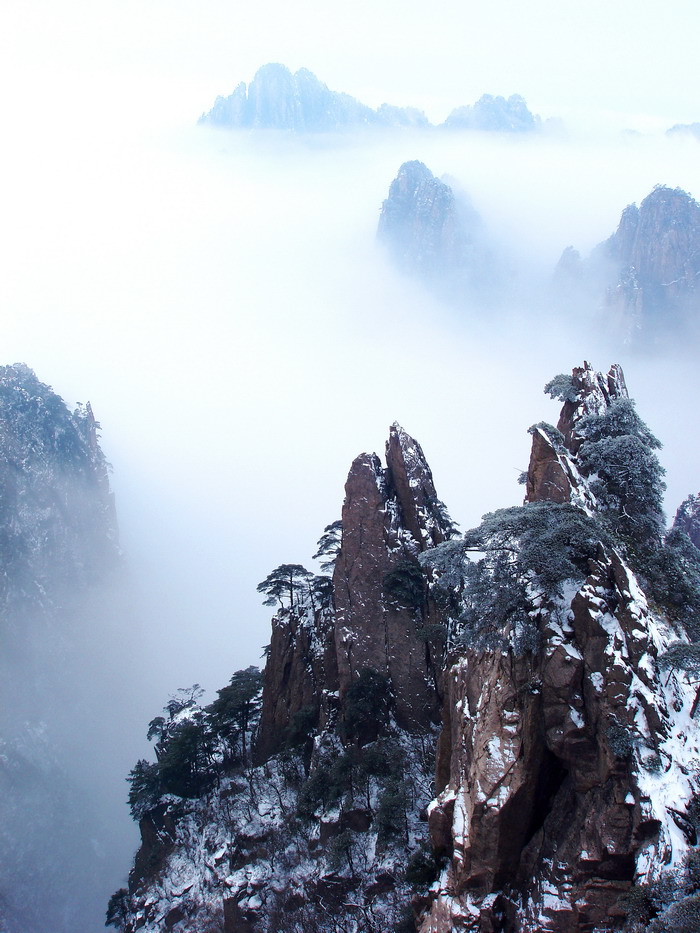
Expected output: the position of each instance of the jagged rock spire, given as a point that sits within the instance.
(422, 513)
(553, 474)
(594, 392)
(389, 516)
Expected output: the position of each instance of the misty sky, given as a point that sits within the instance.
(221, 301)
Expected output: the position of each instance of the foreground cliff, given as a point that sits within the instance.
(292, 800)
(569, 766)
(554, 644)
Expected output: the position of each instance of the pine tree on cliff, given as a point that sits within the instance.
(286, 582)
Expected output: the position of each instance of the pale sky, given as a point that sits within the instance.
(565, 57)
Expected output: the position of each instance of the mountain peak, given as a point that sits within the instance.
(645, 276)
(431, 233)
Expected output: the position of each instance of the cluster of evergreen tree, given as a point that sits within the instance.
(195, 745)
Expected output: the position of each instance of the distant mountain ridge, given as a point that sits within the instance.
(684, 129)
(278, 99)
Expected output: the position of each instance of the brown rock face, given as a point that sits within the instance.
(549, 476)
(300, 675)
(389, 516)
(546, 807)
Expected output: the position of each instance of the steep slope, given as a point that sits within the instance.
(57, 541)
(431, 233)
(645, 276)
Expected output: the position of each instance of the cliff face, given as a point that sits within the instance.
(657, 248)
(566, 767)
(57, 541)
(57, 523)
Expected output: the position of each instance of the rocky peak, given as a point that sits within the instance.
(411, 480)
(592, 394)
(431, 233)
(418, 221)
(273, 99)
(389, 516)
(688, 518)
(494, 114)
(660, 240)
(645, 276)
